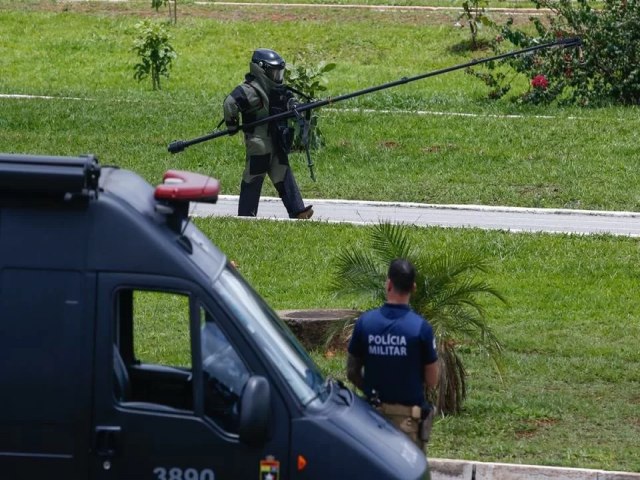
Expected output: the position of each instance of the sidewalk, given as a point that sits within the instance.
(512, 219)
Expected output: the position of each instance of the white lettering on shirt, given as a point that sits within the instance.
(388, 345)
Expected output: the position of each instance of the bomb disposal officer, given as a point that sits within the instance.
(393, 359)
(267, 145)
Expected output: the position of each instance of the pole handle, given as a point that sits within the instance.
(178, 146)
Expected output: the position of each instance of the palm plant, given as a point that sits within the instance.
(447, 294)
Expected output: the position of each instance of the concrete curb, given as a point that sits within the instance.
(443, 469)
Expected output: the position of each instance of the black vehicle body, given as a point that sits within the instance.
(102, 279)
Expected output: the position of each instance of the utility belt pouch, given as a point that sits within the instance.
(401, 410)
(285, 137)
(426, 422)
(416, 412)
(282, 134)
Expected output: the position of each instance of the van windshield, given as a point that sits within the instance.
(273, 336)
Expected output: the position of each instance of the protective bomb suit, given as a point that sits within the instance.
(267, 145)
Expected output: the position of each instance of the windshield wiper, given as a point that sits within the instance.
(344, 393)
(320, 389)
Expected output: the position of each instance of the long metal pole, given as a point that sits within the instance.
(180, 145)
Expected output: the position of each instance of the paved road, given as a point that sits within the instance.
(491, 218)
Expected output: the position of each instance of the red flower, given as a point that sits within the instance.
(540, 81)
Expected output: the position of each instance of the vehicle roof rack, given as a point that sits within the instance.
(36, 176)
(178, 189)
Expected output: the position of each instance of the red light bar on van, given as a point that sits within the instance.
(180, 186)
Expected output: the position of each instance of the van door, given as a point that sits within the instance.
(169, 371)
(46, 335)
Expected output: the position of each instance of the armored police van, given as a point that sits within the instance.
(130, 347)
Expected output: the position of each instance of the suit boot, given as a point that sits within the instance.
(250, 197)
(290, 195)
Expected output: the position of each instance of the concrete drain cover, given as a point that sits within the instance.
(318, 314)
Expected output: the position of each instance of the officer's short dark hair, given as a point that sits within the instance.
(402, 275)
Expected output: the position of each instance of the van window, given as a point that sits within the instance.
(152, 350)
(225, 374)
(273, 337)
(152, 356)
(161, 328)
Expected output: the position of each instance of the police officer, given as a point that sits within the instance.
(267, 145)
(392, 356)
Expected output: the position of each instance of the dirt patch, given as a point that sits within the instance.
(539, 190)
(270, 13)
(438, 148)
(533, 427)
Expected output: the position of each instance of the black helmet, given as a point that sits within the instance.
(271, 63)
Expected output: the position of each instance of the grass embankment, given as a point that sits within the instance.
(572, 363)
(570, 395)
(551, 157)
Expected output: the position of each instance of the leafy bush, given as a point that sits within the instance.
(449, 291)
(155, 52)
(309, 80)
(604, 70)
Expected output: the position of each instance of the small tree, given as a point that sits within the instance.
(473, 13)
(173, 14)
(447, 295)
(310, 80)
(155, 52)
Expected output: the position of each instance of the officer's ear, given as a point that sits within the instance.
(388, 286)
(414, 287)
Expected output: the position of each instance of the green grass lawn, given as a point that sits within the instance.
(570, 391)
(502, 153)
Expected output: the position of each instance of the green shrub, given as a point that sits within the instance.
(309, 80)
(155, 52)
(603, 71)
(450, 287)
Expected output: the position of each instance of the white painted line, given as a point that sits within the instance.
(451, 114)
(369, 111)
(39, 97)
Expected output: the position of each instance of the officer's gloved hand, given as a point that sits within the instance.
(292, 103)
(233, 127)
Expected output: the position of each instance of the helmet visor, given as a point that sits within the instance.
(275, 74)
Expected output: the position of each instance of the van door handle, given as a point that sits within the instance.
(107, 440)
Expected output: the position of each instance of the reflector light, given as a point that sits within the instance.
(180, 186)
(302, 462)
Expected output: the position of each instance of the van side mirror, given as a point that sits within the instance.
(255, 411)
